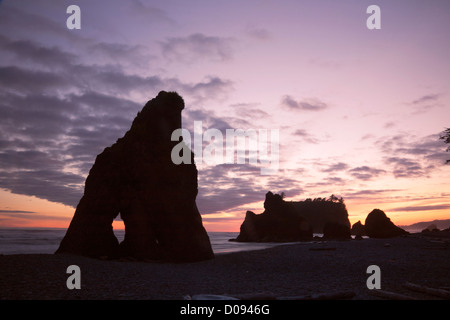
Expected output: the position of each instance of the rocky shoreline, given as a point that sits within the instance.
(303, 269)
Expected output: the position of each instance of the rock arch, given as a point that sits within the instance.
(156, 198)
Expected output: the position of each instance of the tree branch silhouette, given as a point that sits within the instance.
(446, 137)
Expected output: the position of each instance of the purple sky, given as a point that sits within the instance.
(359, 111)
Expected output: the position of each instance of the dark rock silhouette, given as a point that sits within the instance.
(378, 225)
(440, 224)
(336, 231)
(358, 229)
(273, 226)
(431, 228)
(155, 198)
(292, 221)
(320, 211)
(433, 231)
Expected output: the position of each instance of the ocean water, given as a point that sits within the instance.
(47, 240)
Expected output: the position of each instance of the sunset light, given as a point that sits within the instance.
(359, 111)
(253, 153)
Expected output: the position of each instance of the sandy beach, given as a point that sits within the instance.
(284, 271)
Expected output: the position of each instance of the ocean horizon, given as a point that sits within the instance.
(47, 240)
(16, 240)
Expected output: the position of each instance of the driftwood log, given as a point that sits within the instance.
(271, 296)
(390, 295)
(322, 296)
(442, 293)
(431, 291)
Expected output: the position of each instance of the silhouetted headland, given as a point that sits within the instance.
(155, 198)
(287, 221)
(433, 231)
(377, 225)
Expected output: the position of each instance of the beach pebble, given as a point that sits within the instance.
(283, 271)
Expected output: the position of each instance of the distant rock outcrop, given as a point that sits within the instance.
(273, 227)
(378, 225)
(336, 231)
(433, 231)
(155, 198)
(431, 228)
(419, 226)
(295, 221)
(358, 229)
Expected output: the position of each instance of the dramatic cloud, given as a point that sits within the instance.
(430, 98)
(23, 81)
(15, 215)
(53, 185)
(407, 168)
(425, 103)
(197, 47)
(65, 95)
(68, 73)
(366, 193)
(15, 211)
(411, 156)
(149, 14)
(307, 137)
(365, 172)
(305, 105)
(12, 22)
(228, 186)
(212, 88)
(31, 52)
(336, 167)
(132, 57)
(43, 136)
(59, 111)
(249, 111)
(422, 208)
(208, 118)
(389, 125)
(48, 143)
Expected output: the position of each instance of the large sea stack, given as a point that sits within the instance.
(155, 198)
(296, 220)
(378, 225)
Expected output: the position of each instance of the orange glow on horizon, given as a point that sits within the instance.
(38, 213)
(118, 225)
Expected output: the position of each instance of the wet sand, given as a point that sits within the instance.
(284, 271)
